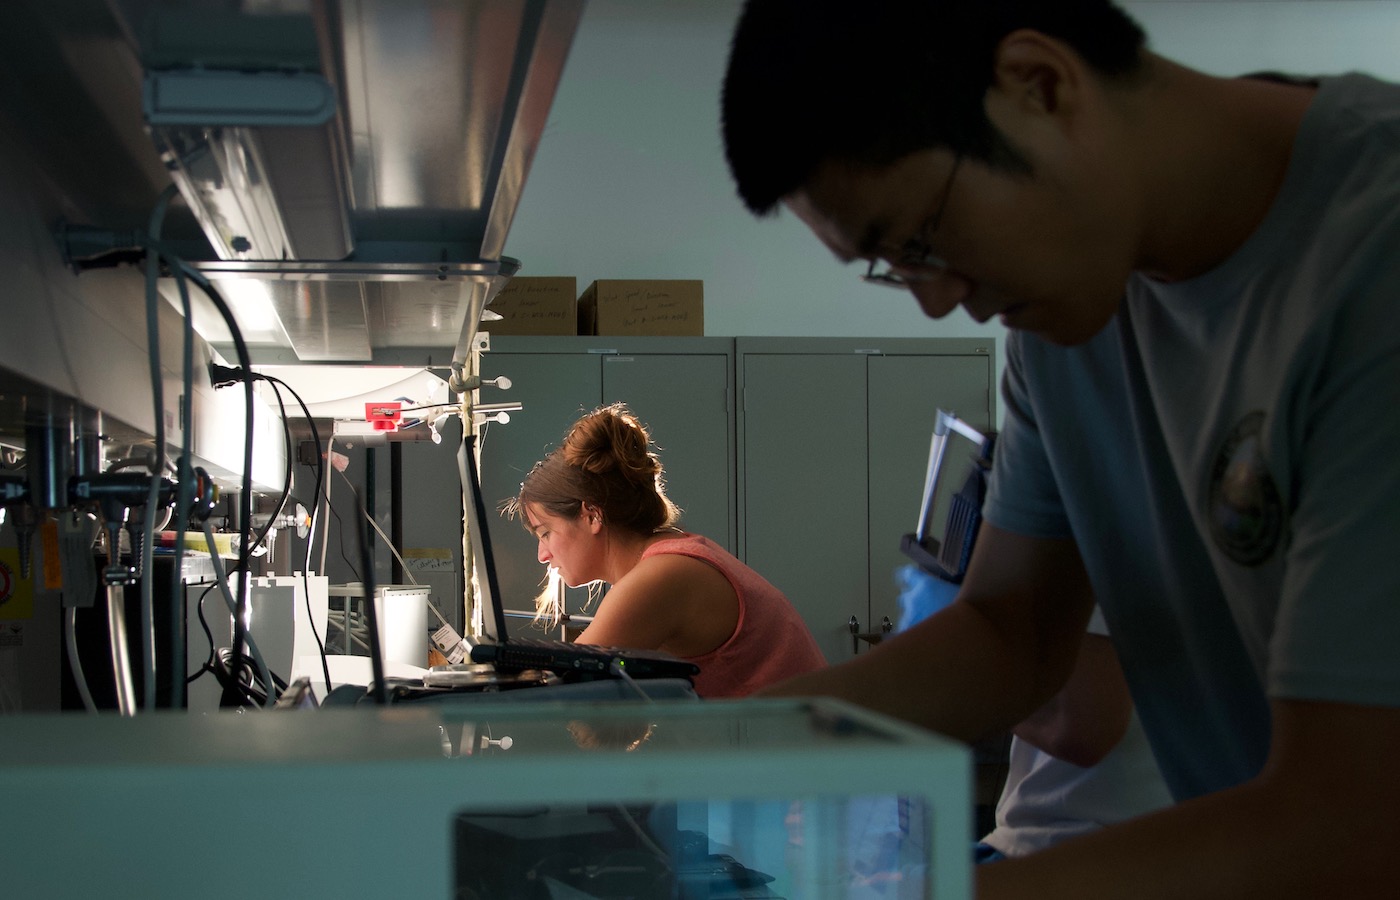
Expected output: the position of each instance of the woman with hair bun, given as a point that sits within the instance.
(598, 508)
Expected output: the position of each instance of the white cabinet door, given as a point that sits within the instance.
(804, 486)
(834, 447)
(686, 403)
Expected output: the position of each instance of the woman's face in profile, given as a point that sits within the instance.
(567, 543)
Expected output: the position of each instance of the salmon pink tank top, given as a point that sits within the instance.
(770, 641)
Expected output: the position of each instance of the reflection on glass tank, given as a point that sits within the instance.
(825, 846)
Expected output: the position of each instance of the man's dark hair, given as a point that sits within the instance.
(869, 82)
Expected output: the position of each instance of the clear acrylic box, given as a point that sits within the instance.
(681, 799)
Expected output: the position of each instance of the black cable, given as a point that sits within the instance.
(376, 652)
(245, 502)
(286, 481)
(153, 256)
(223, 376)
(184, 486)
(405, 409)
(354, 569)
(236, 679)
(153, 325)
(277, 385)
(204, 623)
(287, 478)
(148, 639)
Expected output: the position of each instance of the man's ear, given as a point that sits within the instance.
(1037, 73)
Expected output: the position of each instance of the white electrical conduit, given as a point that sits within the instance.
(121, 661)
(326, 522)
(70, 636)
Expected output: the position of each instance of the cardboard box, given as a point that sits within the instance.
(638, 306)
(535, 305)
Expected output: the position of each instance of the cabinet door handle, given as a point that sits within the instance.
(870, 637)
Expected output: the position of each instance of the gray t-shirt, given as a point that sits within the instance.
(1226, 454)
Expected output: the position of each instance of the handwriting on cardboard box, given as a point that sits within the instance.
(646, 306)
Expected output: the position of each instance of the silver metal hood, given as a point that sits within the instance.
(394, 200)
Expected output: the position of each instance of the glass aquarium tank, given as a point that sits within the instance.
(502, 799)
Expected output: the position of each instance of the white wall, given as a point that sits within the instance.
(630, 182)
(630, 179)
(1231, 37)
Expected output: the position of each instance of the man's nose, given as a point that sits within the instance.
(940, 294)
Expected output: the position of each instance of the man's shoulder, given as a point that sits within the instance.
(1076, 361)
(1354, 120)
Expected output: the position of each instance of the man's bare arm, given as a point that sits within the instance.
(988, 660)
(1319, 821)
(1089, 716)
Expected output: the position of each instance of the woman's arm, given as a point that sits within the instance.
(667, 602)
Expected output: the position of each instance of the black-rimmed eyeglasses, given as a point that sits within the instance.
(917, 255)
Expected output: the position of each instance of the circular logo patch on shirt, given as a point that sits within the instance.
(1246, 512)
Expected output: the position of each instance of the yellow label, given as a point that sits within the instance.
(16, 593)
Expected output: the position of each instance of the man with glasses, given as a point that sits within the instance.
(1202, 385)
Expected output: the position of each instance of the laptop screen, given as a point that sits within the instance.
(493, 617)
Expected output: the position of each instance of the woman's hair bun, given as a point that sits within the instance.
(612, 439)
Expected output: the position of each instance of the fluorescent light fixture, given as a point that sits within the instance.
(251, 304)
(258, 158)
(223, 97)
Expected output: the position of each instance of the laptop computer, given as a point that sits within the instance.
(495, 646)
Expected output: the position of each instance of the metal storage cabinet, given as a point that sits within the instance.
(834, 436)
(681, 387)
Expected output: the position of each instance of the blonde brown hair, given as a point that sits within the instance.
(606, 462)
